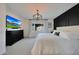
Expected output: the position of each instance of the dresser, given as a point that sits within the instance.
(13, 36)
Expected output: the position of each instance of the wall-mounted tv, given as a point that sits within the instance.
(12, 23)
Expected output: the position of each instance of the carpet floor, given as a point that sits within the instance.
(22, 47)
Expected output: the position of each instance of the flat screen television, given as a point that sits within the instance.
(12, 23)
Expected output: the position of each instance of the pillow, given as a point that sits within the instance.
(54, 32)
(57, 33)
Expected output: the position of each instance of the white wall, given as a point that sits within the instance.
(26, 27)
(2, 29)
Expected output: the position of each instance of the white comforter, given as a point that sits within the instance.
(48, 44)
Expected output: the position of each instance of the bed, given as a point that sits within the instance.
(65, 44)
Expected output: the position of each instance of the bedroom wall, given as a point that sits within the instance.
(26, 27)
(2, 29)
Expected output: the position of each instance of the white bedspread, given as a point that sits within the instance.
(48, 44)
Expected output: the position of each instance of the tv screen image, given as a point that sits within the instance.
(12, 22)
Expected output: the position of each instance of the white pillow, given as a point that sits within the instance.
(55, 31)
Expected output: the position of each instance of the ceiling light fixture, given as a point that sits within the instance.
(37, 16)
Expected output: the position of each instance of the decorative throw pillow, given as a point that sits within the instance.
(57, 33)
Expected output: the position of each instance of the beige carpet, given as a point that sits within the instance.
(22, 47)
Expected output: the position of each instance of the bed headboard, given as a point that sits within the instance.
(69, 29)
(69, 18)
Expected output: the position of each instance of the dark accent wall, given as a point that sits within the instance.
(69, 18)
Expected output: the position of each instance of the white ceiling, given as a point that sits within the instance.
(47, 10)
